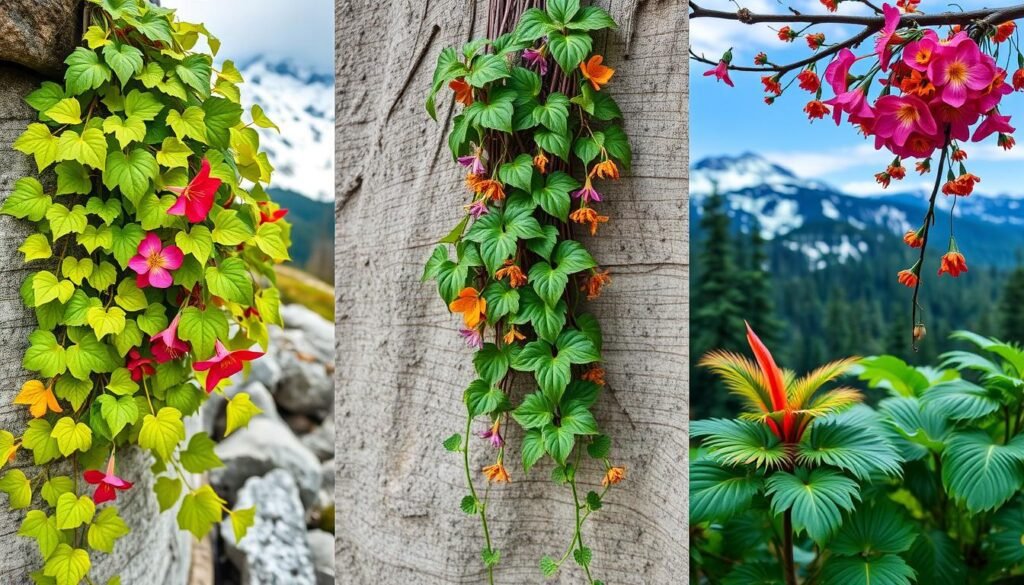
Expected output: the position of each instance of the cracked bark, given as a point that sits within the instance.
(401, 369)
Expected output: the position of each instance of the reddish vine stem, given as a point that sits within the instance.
(929, 220)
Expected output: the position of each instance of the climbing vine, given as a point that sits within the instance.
(537, 134)
(153, 245)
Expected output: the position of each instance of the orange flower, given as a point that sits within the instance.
(595, 375)
(918, 84)
(953, 262)
(923, 166)
(816, 109)
(490, 189)
(541, 162)
(787, 34)
(472, 306)
(959, 154)
(515, 275)
(907, 278)
(1004, 31)
(605, 169)
(883, 179)
(588, 215)
(962, 185)
(1005, 141)
(38, 398)
(613, 476)
(472, 181)
(815, 41)
(496, 473)
(593, 285)
(513, 336)
(595, 72)
(809, 81)
(771, 84)
(914, 238)
(463, 91)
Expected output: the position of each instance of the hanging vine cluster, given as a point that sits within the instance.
(538, 134)
(152, 245)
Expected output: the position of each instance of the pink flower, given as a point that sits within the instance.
(957, 69)
(838, 71)
(473, 338)
(473, 163)
(538, 59)
(165, 345)
(898, 117)
(885, 37)
(852, 102)
(477, 209)
(721, 72)
(196, 199)
(154, 263)
(990, 125)
(139, 366)
(494, 434)
(106, 483)
(588, 193)
(224, 364)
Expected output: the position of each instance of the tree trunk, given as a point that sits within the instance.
(36, 35)
(401, 366)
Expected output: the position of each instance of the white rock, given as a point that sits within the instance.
(321, 544)
(321, 440)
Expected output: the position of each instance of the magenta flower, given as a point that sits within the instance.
(838, 71)
(494, 434)
(588, 193)
(154, 262)
(898, 117)
(477, 208)
(852, 102)
(139, 366)
(166, 346)
(884, 41)
(224, 364)
(959, 69)
(536, 58)
(991, 124)
(472, 337)
(721, 72)
(473, 163)
(106, 483)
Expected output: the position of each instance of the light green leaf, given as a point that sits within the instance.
(131, 129)
(118, 412)
(168, 491)
(202, 328)
(124, 59)
(27, 201)
(173, 153)
(73, 179)
(229, 229)
(40, 143)
(71, 436)
(241, 521)
(131, 172)
(68, 566)
(200, 511)
(85, 71)
(36, 247)
(66, 111)
(231, 281)
(162, 433)
(65, 221)
(816, 498)
(74, 511)
(189, 123)
(239, 412)
(18, 489)
(106, 529)
(200, 457)
(142, 105)
(88, 148)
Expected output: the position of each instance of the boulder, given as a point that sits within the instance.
(321, 440)
(267, 369)
(306, 386)
(39, 34)
(319, 330)
(276, 550)
(267, 444)
(321, 544)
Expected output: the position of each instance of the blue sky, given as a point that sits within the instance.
(726, 120)
(297, 30)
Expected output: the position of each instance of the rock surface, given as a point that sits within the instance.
(39, 34)
(321, 544)
(276, 549)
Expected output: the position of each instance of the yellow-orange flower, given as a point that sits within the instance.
(490, 189)
(595, 375)
(613, 476)
(463, 91)
(605, 169)
(587, 215)
(541, 162)
(593, 285)
(38, 398)
(496, 473)
(596, 73)
(472, 306)
(516, 277)
(513, 335)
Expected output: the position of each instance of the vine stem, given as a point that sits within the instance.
(472, 491)
(929, 219)
(788, 566)
(579, 525)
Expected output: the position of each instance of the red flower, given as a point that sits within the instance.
(463, 91)
(923, 166)
(914, 238)
(224, 364)
(815, 41)
(953, 262)
(816, 110)
(1018, 79)
(1004, 31)
(196, 199)
(787, 34)
(809, 81)
(268, 216)
(897, 171)
(1005, 141)
(106, 484)
(771, 84)
(166, 346)
(959, 154)
(139, 366)
(907, 278)
(882, 179)
(831, 5)
(761, 59)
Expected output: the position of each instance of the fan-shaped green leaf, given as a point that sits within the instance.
(892, 374)
(875, 528)
(981, 473)
(1013, 355)
(961, 400)
(718, 493)
(850, 447)
(919, 429)
(936, 558)
(886, 570)
(740, 442)
(1008, 536)
(816, 498)
(759, 573)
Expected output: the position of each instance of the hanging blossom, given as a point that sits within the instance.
(166, 345)
(195, 200)
(224, 364)
(107, 484)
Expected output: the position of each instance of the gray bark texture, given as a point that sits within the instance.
(401, 367)
(37, 34)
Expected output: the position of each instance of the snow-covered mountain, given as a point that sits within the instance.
(301, 102)
(813, 218)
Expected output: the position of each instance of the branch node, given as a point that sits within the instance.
(745, 16)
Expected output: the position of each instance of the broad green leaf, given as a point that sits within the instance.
(888, 569)
(38, 439)
(47, 287)
(553, 196)
(552, 372)
(229, 229)
(553, 114)
(496, 115)
(106, 321)
(44, 98)
(571, 257)
(482, 397)
(131, 172)
(517, 173)
(65, 221)
(130, 297)
(199, 456)
(189, 123)
(40, 143)
(740, 442)
(874, 528)
(27, 201)
(155, 26)
(241, 521)
(591, 18)
(85, 71)
(532, 448)
(43, 529)
(71, 436)
(124, 59)
(44, 354)
(202, 328)
(961, 400)
(93, 238)
(485, 69)
(118, 412)
(126, 131)
(492, 362)
(67, 111)
(108, 210)
(67, 566)
(570, 49)
(239, 412)
(74, 511)
(73, 179)
(221, 115)
(981, 473)
(195, 71)
(126, 242)
(91, 356)
(36, 247)
(260, 118)
(18, 489)
(817, 499)
(168, 491)
(271, 240)
(106, 529)
(501, 299)
(55, 487)
(88, 148)
(848, 447)
(231, 281)
(558, 442)
(936, 557)
(162, 433)
(200, 511)
(142, 106)
(173, 153)
(73, 390)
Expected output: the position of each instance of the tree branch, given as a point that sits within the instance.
(831, 50)
(983, 15)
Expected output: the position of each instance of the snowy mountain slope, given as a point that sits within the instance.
(822, 223)
(301, 102)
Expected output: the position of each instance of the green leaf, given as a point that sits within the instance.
(546, 319)
(202, 328)
(155, 27)
(91, 356)
(56, 486)
(118, 412)
(558, 442)
(74, 511)
(469, 505)
(533, 24)
(221, 114)
(106, 529)
(937, 560)
(981, 473)
(548, 565)
(44, 354)
(142, 105)
(579, 421)
(200, 511)
(485, 69)
(47, 287)
(230, 280)
(85, 71)
(190, 123)
(120, 8)
(195, 71)
(496, 115)
(1007, 540)
(605, 107)
(43, 529)
(44, 98)
(130, 297)
(600, 446)
(239, 412)
(67, 566)
(482, 397)
(37, 438)
(553, 142)
(27, 201)
(885, 570)
(108, 210)
(816, 499)
(131, 129)
(162, 433)
(874, 528)
(40, 143)
(88, 148)
(576, 347)
(532, 448)
(65, 221)
(740, 442)
(71, 436)
(153, 320)
(517, 173)
(173, 153)
(535, 412)
(552, 372)
(501, 299)
(73, 179)
(547, 282)
(36, 247)
(168, 491)
(582, 556)
(570, 49)
(199, 457)
(562, 11)
(591, 18)
(126, 242)
(617, 144)
(66, 111)
(961, 400)
(554, 114)
(18, 489)
(492, 362)
(93, 238)
(271, 240)
(73, 390)
(571, 257)
(553, 197)
(242, 521)
(124, 59)
(848, 447)
(130, 172)
(453, 443)
(491, 557)
(229, 229)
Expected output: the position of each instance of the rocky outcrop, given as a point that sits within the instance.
(39, 34)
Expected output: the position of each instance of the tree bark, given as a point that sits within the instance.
(402, 368)
(155, 551)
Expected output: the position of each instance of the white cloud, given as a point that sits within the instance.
(300, 31)
(821, 164)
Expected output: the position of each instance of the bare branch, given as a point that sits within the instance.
(985, 15)
(818, 56)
